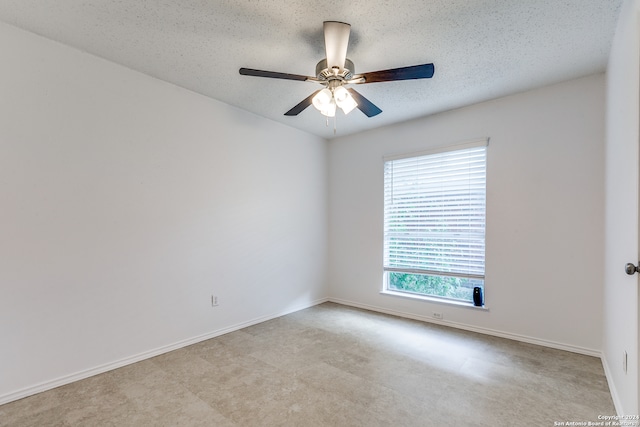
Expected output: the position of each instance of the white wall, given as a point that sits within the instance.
(544, 213)
(621, 211)
(125, 202)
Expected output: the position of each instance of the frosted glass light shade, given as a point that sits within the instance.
(322, 99)
(325, 103)
(327, 100)
(330, 110)
(344, 100)
(340, 93)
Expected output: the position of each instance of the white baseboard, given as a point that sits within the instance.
(67, 379)
(612, 387)
(471, 328)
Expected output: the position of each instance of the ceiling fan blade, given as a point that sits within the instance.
(423, 71)
(336, 41)
(364, 105)
(274, 75)
(302, 105)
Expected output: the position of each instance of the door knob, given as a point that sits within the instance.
(631, 269)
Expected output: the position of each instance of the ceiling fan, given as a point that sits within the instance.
(335, 72)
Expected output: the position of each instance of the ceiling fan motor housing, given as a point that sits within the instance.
(325, 74)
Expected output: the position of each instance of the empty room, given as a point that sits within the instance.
(319, 213)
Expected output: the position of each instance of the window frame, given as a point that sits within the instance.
(469, 144)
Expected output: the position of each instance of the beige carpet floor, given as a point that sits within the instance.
(332, 365)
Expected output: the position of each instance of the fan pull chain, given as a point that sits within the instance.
(334, 123)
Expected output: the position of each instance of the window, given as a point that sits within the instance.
(434, 222)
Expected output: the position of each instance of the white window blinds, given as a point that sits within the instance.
(434, 212)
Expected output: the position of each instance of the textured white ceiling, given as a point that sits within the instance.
(482, 49)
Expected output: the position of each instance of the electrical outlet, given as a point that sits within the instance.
(624, 361)
(214, 301)
(437, 315)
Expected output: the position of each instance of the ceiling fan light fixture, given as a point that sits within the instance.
(330, 109)
(322, 99)
(325, 102)
(344, 100)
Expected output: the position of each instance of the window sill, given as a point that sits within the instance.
(435, 300)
